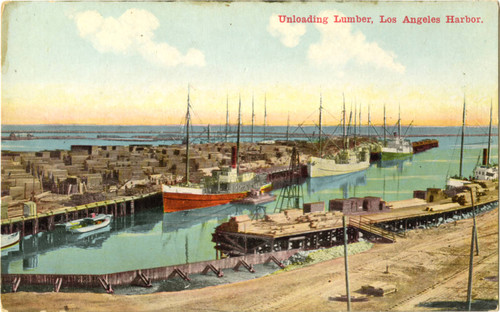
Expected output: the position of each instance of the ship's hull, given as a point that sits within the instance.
(396, 148)
(321, 167)
(456, 182)
(182, 201)
(394, 155)
(9, 240)
(173, 201)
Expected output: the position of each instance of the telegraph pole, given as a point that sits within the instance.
(346, 266)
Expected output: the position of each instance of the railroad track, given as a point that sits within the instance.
(448, 278)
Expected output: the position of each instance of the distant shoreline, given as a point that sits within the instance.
(223, 125)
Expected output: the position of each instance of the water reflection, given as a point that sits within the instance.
(142, 222)
(175, 221)
(166, 238)
(30, 262)
(342, 182)
(32, 246)
(151, 238)
(186, 219)
(397, 163)
(93, 239)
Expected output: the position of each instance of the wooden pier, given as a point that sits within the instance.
(369, 217)
(42, 222)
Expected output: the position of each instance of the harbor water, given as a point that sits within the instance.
(152, 238)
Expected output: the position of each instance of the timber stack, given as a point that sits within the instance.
(423, 145)
(369, 217)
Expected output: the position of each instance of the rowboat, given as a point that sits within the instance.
(10, 240)
(87, 224)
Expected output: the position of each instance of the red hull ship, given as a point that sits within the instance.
(224, 186)
(177, 201)
(173, 201)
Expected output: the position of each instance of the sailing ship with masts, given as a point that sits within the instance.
(224, 185)
(346, 161)
(486, 171)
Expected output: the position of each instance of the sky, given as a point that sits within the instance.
(131, 63)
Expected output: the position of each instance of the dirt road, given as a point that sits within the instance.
(428, 267)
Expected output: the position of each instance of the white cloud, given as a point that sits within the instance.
(133, 32)
(339, 45)
(289, 34)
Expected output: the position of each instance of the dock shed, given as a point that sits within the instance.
(357, 205)
(314, 207)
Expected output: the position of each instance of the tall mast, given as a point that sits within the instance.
(462, 141)
(227, 115)
(343, 122)
(355, 117)
(238, 139)
(208, 134)
(359, 120)
(385, 138)
(320, 123)
(369, 120)
(399, 121)
(489, 133)
(288, 127)
(265, 115)
(188, 119)
(253, 118)
(349, 123)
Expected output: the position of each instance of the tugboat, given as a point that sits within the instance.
(224, 186)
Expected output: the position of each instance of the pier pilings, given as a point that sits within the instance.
(42, 222)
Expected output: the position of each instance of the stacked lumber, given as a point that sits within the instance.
(236, 224)
(406, 203)
(442, 207)
(293, 214)
(276, 217)
(488, 185)
(287, 222)
(463, 198)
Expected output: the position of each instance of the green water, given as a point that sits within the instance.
(153, 239)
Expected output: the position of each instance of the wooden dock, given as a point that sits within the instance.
(370, 218)
(46, 221)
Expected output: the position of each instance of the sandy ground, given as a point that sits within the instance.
(429, 267)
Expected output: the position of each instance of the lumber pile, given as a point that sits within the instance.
(287, 222)
(442, 207)
(406, 203)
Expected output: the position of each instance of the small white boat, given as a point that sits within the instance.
(10, 240)
(87, 224)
